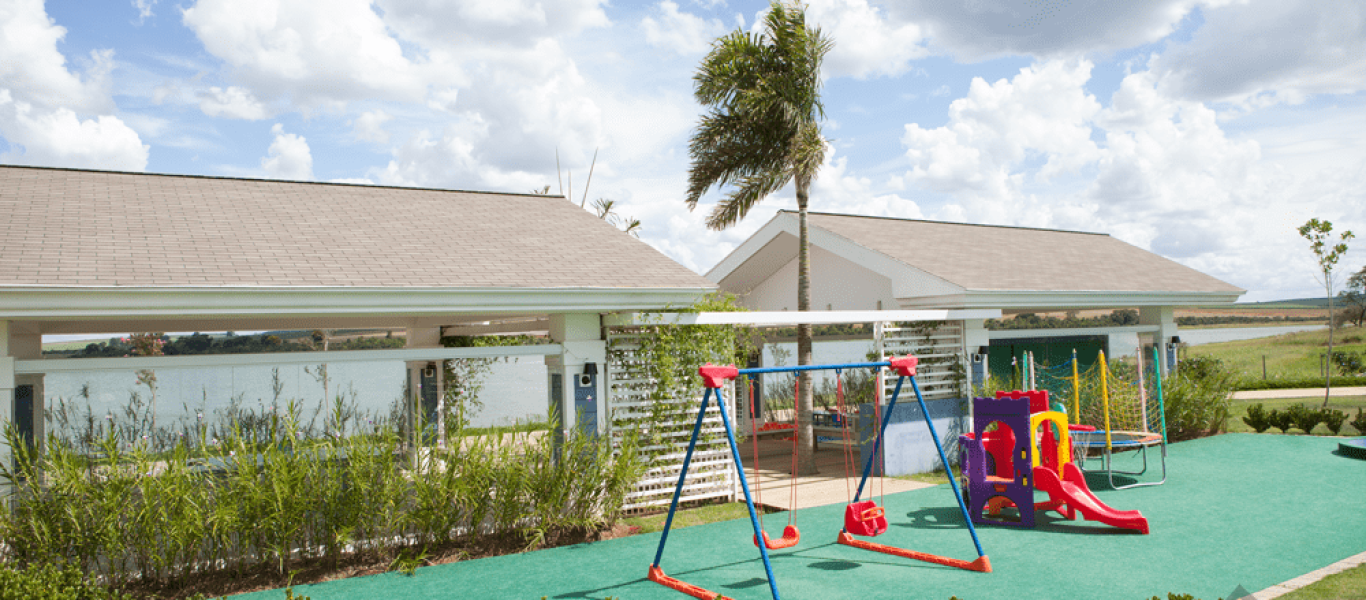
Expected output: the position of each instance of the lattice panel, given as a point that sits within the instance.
(630, 407)
(941, 352)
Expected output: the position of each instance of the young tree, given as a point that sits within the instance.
(1318, 233)
(1354, 298)
(760, 132)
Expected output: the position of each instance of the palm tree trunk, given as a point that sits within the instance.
(806, 457)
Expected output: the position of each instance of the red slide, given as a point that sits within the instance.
(1071, 490)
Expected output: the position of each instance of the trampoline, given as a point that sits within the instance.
(1084, 439)
(1354, 448)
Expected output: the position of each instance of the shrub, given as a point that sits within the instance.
(1303, 417)
(1359, 423)
(1348, 363)
(131, 516)
(1280, 420)
(1257, 418)
(1333, 419)
(51, 582)
(1197, 398)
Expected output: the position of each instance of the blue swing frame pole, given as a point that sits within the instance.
(744, 485)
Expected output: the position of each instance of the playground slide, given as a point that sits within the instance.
(1072, 491)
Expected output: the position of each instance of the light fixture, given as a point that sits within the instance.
(1176, 339)
(983, 349)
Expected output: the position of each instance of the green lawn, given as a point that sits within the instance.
(1347, 404)
(1347, 585)
(1291, 356)
(711, 513)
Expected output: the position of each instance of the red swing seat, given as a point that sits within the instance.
(790, 538)
(865, 518)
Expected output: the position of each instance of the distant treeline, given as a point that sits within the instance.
(1240, 320)
(200, 343)
(1130, 317)
(1119, 317)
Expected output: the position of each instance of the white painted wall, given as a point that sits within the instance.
(837, 284)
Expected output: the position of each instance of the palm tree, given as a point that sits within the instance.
(762, 131)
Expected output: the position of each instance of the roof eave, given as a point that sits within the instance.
(96, 303)
(1049, 300)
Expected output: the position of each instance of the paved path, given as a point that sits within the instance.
(1297, 393)
(829, 486)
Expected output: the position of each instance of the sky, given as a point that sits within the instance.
(1206, 131)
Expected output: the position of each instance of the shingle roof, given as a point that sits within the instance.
(63, 227)
(985, 257)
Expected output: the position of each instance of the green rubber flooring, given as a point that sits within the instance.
(1237, 510)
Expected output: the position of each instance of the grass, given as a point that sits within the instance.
(702, 515)
(936, 477)
(1347, 585)
(1347, 404)
(1290, 356)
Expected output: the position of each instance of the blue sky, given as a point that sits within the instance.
(1203, 130)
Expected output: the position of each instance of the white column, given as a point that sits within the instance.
(1165, 320)
(580, 335)
(20, 341)
(975, 336)
(425, 337)
(6, 388)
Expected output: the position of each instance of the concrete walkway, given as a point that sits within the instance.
(829, 486)
(1298, 393)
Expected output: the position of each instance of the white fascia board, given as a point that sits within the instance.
(747, 249)
(95, 303)
(1050, 300)
(821, 317)
(1015, 334)
(54, 365)
(907, 280)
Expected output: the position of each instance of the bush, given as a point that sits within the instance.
(1197, 398)
(1303, 417)
(1359, 423)
(131, 516)
(1333, 419)
(1257, 418)
(51, 582)
(1280, 420)
(1348, 363)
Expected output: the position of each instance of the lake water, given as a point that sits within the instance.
(1195, 337)
(515, 390)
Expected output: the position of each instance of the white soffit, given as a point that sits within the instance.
(823, 317)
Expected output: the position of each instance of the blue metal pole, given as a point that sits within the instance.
(744, 485)
(877, 441)
(687, 459)
(948, 470)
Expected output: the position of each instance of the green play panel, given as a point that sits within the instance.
(1240, 509)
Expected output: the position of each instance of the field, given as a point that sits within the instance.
(1288, 356)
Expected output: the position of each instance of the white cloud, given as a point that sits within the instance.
(1043, 113)
(316, 53)
(34, 70)
(1164, 176)
(680, 32)
(144, 8)
(58, 137)
(233, 103)
(483, 28)
(50, 115)
(288, 157)
(1269, 51)
(867, 42)
(982, 29)
(369, 126)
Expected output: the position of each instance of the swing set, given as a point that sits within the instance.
(861, 518)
